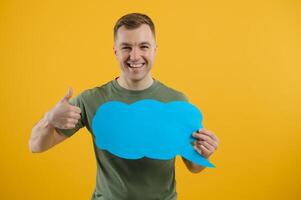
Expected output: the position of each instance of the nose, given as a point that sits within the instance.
(135, 54)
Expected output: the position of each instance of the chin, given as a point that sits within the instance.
(136, 79)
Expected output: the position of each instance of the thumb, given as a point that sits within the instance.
(68, 95)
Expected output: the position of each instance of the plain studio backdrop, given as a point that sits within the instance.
(238, 61)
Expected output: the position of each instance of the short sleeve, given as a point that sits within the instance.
(77, 101)
(183, 97)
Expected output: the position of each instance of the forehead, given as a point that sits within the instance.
(134, 36)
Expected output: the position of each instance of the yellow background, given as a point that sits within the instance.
(238, 61)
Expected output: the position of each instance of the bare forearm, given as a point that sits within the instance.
(194, 168)
(63, 115)
(42, 136)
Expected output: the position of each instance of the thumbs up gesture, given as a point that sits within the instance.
(64, 115)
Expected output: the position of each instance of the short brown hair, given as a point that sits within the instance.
(133, 21)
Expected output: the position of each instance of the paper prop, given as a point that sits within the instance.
(148, 128)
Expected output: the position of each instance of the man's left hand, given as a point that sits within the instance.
(206, 142)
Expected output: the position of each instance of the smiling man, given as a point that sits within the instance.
(117, 178)
(135, 49)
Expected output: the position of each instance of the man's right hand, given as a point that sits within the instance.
(63, 115)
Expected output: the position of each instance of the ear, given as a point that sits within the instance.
(115, 50)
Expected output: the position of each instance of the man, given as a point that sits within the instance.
(135, 49)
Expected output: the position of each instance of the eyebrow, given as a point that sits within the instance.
(128, 44)
(145, 43)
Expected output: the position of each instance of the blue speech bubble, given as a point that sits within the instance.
(148, 128)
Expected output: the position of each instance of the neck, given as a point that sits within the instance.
(135, 85)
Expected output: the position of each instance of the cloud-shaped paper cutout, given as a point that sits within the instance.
(148, 128)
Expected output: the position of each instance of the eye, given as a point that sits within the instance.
(144, 47)
(126, 48)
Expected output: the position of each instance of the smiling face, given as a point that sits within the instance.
(135, 50)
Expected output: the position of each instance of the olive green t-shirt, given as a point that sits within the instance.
(127, 179)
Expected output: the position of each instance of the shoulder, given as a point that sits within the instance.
(102, 90)
(175, 94)
(97, 93)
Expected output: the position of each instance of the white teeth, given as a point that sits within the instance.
(136, 65)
